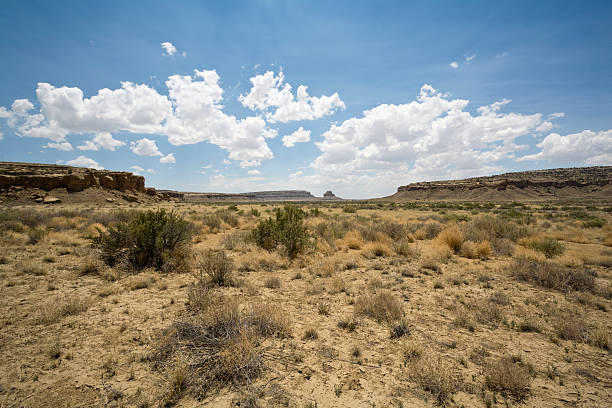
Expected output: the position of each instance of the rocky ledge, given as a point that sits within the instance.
(588, 182)
(49, 177)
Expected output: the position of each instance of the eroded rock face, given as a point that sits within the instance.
(593, 182)
(48, 177)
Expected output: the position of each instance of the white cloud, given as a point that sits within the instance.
(469, 58)
(151, 171)
(556, 115)
(1, 136)
(544, 127)
(586, 147)
(430, 137)
(136, 168)
(254, 172)
(296, 174)
(299, 136)
(502, 55)
(454, 65)
(83, 161)
(191, 113)
(64, 146)
(168, 159)
(225, 161)
(169, 48)
(145, 147)
(101, 141)
(274, 98)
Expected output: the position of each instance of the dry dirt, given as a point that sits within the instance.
(77, 333)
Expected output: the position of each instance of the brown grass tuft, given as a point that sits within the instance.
(382, 306)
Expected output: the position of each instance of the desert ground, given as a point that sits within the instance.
(384, 305)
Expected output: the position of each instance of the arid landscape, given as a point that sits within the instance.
(156, 301)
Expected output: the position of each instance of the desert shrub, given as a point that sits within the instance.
(353, 239)
(508, 376)
(550, 247)
(382, 306)
(551, 275)
(600, 337)
(489, 227)
(35, 235)
(375, 249)
(151, 239)
(217, 267)
(473, 250)
(401, 329)
(403, 248)
(435, 376)
(569, 324)
(229, 217)
(286, 229)
(222, 342)
(594, 222)
(429, 230)
(349, 209)
(212, 221)
(235, 240)
(272, 282)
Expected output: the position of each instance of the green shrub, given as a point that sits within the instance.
(286, 229)
(594, 222)
(548, 246)
(151, 239)
(349, 209)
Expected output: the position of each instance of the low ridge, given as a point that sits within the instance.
(551, 184)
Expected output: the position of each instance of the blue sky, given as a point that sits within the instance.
(193, 95)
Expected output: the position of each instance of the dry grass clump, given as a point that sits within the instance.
(509, 376)
(272, 282)
(436, 376)
(31, 267)
(217, 266)
(551, 275)
(405, 248)
(570, 324)
(375, 249)
(452, 237)
(382, 306)
(325, 267)
(221, 342)
(600, 337)
(429, 230)
(57, 309)
(353, 239)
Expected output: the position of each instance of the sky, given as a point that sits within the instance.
(357, 97)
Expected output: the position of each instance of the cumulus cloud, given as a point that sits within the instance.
(454, 64)
(254, 172)
(588, 147)
(299, 136)
(101, 141)
(169, 48)
(83, 161)
(190, 113)
(136, 168)
(63, 146)
(145, 147)
(168, 159)
(430, 137)
(273, 97)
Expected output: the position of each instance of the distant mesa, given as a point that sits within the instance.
(552, 184)
(330, 196)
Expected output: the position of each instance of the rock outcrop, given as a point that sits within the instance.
(282, 195)
(564, 183)
(49, 177)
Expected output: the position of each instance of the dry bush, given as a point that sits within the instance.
(429, 230)
(212, 221)
(63, 223)
(489, 228)
(260, 259)
(222, 342)
(353, 239)
(484, 249)
(452, 237)
(325, 267)
(550, 247)
(405, 248)
(217, 266)
(600, 337)
(90, 265)
(272, 282)
(375, 249)
(137, 282)
(469, 250)
(31, 267)
(436, 376)
(235, 241)
(508, 376)
(570, 324)
(551, 275)
(411, 350)
(337, 285)
(58, 308)
(382, 306)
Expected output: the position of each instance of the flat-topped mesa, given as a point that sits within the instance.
(552, 183)
(48, 177)
(282, 195)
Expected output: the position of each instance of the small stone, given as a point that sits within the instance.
(110, 200)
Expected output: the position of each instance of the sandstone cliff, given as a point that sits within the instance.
(564, 183)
